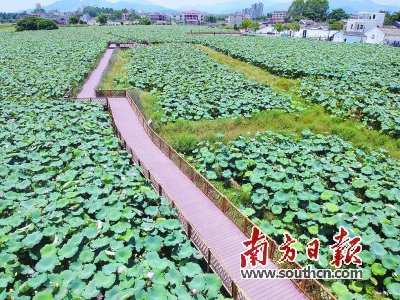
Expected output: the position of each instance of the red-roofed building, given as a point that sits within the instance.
(191, 17)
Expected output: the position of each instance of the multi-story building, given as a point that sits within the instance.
(279, 14)
(191, 17)
(234, 19)
(365, 21)
(158, 18)
(256, 9)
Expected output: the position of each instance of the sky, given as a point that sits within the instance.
(16, 5)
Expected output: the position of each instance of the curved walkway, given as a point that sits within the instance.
(220, 233)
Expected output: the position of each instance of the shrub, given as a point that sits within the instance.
(35, 23)
(185, 143)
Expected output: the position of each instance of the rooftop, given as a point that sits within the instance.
(391, 31)
(352, 33)
(191, 12)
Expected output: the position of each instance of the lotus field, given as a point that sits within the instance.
(312, 186)
(190, 85)
(46, 64)
(77, 220)
(364, 83)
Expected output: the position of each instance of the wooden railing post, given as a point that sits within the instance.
(245, 225)
(169, 152)
(160, 189)
(192, 175)
(303, 284)
(224, 205)
(234, 290)
(180, 162)
(189, 229)
(207, 187)
(208, 260)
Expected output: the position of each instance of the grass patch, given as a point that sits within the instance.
(252, 72)
(7, 26)
(115, 68)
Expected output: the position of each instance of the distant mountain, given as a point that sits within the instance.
(72, 5)
(350, 6)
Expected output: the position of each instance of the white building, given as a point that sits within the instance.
(234, 19)
(349, 37)
(191, 17)
(38, 6)
(365, 21)
(384, 36)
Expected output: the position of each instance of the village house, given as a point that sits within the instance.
(234, 19)
(384, 36)
(349, 37)
(191, 17)
(365, 21)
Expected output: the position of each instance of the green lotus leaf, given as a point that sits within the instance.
(390, 262)
(122, 255)
(358, 183)
(281, 197)
(90, 232)
(86, 256)
(209, 157)
(47, 263)
(378, 269)
(37, 281)
(91, 291)
(151, 210)
(49, 249)
(87, 271)
(227, 174)
(313, 229)
(198, 283)
(394, 290)
(247, 187)
(190, 270)
(372, 194)
(32, 239)
(318, 187)
(331, 207)
(356, 286)
(339, 288)
(389, 230)
(174, 277)
(327, 195)
(153, 243)
(241, 165)
(367, 257)
(44, 295)
(346, 296)
(211, 175)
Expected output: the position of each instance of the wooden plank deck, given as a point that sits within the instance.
(221, 234)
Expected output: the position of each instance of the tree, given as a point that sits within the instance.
(210, 19)
(279, 27)
(235, 27)
(117, 15)
(338, 14)
(133, 17)
(40, 10)
(246, 23)
(316, 9)
(27, 23)
(296, 9)
(73, 20)
(102, 19)
(336, 26)
(255, 26)
(46, 24)
(145, 21)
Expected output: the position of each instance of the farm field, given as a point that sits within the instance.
(78, 221)
(308, 184)
(175, 73)
(46, 64)
(320, 193)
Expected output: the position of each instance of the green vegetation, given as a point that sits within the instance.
(310, 9)
(312, 185)
(73, 20)
(196, 87)
(365, 86)
(116, 68)
(46, 64)
(7, 27)
(102, 19)
(35, 23)
(78, 221)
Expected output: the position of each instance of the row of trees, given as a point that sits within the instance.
(390, 18)
(248, 24)
(35, 23)
(294, 26)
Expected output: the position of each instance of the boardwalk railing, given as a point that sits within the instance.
(103, 101)
(127, 44)
(69, 93)
(311, 287)
(211, 258)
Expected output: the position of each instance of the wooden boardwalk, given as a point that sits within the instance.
(220, 233)
(222, 236)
